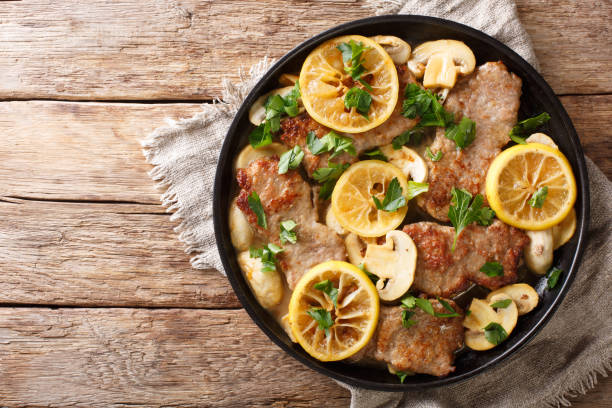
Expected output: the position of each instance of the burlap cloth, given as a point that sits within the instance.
(562, 361)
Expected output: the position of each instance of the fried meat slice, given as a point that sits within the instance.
(442, 272)
(288, 197)
(295, 130)
(490, 97)
(427, 347)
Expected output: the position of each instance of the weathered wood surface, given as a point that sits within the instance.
(91, 151)
(178, 357)
(182, 49)
(59, 253)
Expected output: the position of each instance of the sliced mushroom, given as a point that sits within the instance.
(409, 161)
(288, 79)
(267, 286)
(332, 222)
(394, 263)
(439, 62)
(525, 297)
(248, 154)
(398, 49)
(564, 231)
(542, 139)
(481, 314)
(539, 251)
(356, 246)
(241, 232)
(257, 113)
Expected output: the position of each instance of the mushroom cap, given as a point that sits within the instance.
(542, 138)
(407, 160)
(539, 251)
(267, 286)
(525, 297)
(461, 54)
(241, 232)
(482, 314)
(398, 49)
(394, 263)
(564, 231)
(248, 154)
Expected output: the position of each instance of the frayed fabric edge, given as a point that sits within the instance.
(381, 7)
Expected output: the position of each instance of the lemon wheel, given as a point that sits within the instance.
(352, 201)
(517, 173)
(354, 315)
(324, 83)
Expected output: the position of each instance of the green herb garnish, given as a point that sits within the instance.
(331, 142)
(415, 188)
(374, 154)
(328, 177)
(257, 208)
(537, 199)
(463, 133)
(553, 276)
(327, 287)
(393, 198)
(432, 157)
(291, 159)
(267, 254)
(412, 136)
(448, 307)
(323, 318)
(359, 99)
(461, 213)
(373, 278)
(421, 102)
(353, 63)
(501, 304)
(401, 375)
(406, 321)
(287, 233)
(409, 302)
(495, 333)
(492, 269)
(525, 127)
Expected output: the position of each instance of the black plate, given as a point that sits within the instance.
(537, 97)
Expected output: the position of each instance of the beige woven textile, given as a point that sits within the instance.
(562, 361)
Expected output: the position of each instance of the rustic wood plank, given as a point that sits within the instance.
(101, 255)
(182, 49)
(117, 357)
(91, 151)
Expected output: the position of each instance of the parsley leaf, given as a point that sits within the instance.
(468, 312)
(527, 126)
(537, 199)
(409, 302)
(401, 375)
(374, 154)
(461, 213)
(255, 205)
(359, 99)
(260, 136)
(423, 103)
(328, 176)
(501, 304)
(393, 198)
(432, 157)
(406, 321)
(412, 136)
(316, 145)
(463, 134)
(287, 233)
(373, 278)
(351, 56)
(492, 269)
(291, 159)
(415, 188)
(553, 276)
(267, 254)
(448, 307)
(331, 142)
(327, 287)
(323, 317)
(291, 100)
(495, 333)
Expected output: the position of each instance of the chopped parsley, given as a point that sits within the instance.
(327, 287)
(461, 213)
(331, 142)
(406, 321)
(328, 177)
(415, 188)
(447, 306)
(523, 128)
(257, 208)
(287, 233)
(537, 199)
(501, 304)
(463, 133)
(401, 375)
(393, 200)
(495, 333)
(553, 276)
(291, 159)
(359, 99)
(373, 278)
(433, 157)
(322, 317)
(424, 104)
(267, 254)
(409, 302)
(412, 136)
(374, 154)
(352, 53)
(492, 269)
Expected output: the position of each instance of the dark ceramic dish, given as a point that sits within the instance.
(537, 97)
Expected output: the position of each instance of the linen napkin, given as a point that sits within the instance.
(562, 361)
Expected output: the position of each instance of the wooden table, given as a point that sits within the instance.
(99, 304)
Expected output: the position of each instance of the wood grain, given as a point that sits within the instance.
(181, 49)
(59, 253)
(178, 357)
